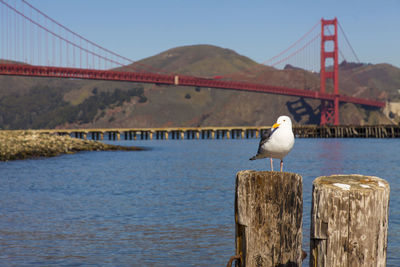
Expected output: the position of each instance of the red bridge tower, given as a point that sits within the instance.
(329, 109)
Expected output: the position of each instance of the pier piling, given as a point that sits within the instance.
(349, 221)
(268, 218)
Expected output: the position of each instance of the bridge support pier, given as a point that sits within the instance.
(329, 110)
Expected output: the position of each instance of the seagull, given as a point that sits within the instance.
(276, 142)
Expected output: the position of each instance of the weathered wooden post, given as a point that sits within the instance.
(349, 221)
(268, 216)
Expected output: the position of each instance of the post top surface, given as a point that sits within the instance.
(246, 173)
(347, 182)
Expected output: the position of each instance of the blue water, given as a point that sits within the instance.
(172, 205)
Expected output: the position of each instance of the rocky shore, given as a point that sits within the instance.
(31, 144)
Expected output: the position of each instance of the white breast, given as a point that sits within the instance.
(280, 143)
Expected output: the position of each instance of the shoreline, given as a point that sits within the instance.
(28, 144)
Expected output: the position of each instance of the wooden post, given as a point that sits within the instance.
(349, 221)
(268, 217)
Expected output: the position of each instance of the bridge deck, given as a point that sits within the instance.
(165, 79)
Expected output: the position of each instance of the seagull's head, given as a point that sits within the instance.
(283, 121)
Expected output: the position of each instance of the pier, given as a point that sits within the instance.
(240, 132)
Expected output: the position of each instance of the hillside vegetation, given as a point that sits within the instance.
(67, 103)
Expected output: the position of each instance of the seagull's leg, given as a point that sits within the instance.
(272, 165)
(281, 165)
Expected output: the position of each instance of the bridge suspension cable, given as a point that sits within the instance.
(303, 53)
(348, 43)
(296, 52)
(268, 62)
(51, 43)
(76, 34)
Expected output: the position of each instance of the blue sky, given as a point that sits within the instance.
(256, 29)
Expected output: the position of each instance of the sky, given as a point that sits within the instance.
(256, 29)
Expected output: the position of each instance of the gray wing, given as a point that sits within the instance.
(265, 137)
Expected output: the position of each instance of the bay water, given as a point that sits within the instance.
(170, 205)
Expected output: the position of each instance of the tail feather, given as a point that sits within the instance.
(255, 157)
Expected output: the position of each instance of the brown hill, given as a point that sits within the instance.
(381, 81)
(121, 104)
(187, 106)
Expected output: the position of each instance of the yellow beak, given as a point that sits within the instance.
(275, 125)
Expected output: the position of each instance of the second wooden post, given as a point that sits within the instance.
(268, 216)
(349, 221)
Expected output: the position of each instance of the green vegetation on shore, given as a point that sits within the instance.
(44, 107)
(31, 144)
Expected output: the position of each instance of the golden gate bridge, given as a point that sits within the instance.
(34, 44)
